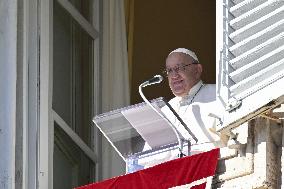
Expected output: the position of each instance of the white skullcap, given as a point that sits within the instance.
(186, 51)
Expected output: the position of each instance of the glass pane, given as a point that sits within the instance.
(62, 67)
(84, 7)
(72, 73)
(72, 167)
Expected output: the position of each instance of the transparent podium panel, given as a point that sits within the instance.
(155, 156)
(165, 153)
(119, 132)
(131, 128)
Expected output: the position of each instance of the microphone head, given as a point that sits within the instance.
(159, 78)
(156, 79)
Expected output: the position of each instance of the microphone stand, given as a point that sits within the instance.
(174, 128)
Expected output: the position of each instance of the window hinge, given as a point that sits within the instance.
(233, 104)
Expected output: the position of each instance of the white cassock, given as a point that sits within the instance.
(194, 110)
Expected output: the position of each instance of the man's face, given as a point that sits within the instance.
(182, 73)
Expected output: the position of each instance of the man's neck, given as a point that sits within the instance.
(193, 90)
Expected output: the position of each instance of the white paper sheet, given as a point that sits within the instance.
(154, 129)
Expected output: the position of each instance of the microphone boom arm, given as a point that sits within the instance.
(158, 79)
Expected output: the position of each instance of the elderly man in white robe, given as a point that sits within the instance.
(194, 101)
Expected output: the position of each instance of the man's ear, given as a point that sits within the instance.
(199, 69)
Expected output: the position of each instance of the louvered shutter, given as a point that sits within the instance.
(250, 58)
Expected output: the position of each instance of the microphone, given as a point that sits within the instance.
(156, 79)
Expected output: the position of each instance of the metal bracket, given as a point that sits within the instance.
(233, 104)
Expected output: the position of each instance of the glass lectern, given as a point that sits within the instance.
(140, 135)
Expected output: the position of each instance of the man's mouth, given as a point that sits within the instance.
(177, 82)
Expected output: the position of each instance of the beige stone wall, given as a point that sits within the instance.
(257, 163)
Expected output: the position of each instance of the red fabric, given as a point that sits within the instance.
(177, 172)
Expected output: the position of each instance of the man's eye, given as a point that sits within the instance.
(169, 70)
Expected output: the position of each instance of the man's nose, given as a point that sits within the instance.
(174, 74)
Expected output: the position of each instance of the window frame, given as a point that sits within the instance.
(47, 116)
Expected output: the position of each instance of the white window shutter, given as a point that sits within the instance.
(250, 57)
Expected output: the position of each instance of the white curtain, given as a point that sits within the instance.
(115, 77)
(115, 88)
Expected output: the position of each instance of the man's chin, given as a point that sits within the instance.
(179, 93)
